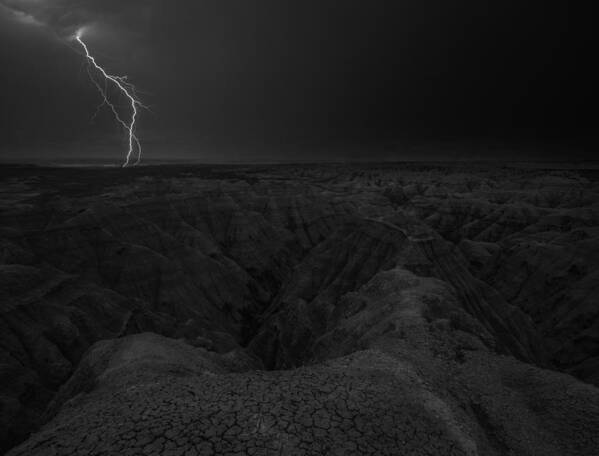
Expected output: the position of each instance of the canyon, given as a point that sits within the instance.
(376, 308)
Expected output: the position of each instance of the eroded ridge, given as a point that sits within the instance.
(412, 309)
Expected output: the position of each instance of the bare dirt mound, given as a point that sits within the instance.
(146, 394)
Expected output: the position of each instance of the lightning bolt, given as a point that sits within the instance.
(123, 86)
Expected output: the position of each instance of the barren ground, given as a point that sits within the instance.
(401, 308)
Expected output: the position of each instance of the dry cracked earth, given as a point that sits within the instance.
(417, 309)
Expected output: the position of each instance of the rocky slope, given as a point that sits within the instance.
(146, 394)
(307, 301)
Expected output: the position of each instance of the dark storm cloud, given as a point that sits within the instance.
(66, 16)
(275, 72)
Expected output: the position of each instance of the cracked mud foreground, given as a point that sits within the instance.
(299, 310)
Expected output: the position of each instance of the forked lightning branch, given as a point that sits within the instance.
(102, 80)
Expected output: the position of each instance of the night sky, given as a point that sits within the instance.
(279, 80)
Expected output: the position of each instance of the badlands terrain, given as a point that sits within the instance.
(417, 309)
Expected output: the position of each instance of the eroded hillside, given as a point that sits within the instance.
(365, 309)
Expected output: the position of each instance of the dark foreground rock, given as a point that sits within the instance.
(146, 394)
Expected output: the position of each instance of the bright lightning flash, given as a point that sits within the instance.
(126, 88)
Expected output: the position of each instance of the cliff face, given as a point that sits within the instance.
(440, 294)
